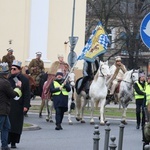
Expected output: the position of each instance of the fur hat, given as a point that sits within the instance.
(38, 54)
(4, 68)
(142, 74)
(17, 63)
(118, 58)
(60, 55)
(10, 50)
(59, 73)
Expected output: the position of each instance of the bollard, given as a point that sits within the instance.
(120, 142)
(112, 146)
(107, 132)
(147, 147)
(96, 138)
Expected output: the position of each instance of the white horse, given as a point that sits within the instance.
(49, 107)
(125, 94)
(98, 90)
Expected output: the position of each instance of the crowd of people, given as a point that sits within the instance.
(15, 92)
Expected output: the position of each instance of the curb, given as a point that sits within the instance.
(32, 127)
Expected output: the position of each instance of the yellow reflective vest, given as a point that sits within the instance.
(56, 85)
(136, 95)
(147, 93)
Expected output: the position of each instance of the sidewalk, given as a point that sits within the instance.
(37, 101)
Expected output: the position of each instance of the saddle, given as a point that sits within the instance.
(81, 85)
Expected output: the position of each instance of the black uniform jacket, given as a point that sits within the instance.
(60, 100)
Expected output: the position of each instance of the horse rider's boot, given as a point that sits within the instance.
(80, 88)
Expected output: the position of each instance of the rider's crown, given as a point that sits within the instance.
(10, 50)
(17, 63)
(38, 53)
(4, 68)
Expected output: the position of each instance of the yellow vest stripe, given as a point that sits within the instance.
(136, 95)
(56, 85)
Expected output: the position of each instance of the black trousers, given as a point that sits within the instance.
(60, 114)
(139, 108)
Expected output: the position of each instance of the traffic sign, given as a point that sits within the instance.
(73, 41)
(72, 58)
(145, 30)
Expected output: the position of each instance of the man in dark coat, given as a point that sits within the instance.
(9, 57)
(18, 108)
(59, 91)
(6, 93)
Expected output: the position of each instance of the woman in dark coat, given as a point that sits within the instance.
(59, 91)
(18, 108)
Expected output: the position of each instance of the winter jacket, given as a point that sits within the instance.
(6, 93)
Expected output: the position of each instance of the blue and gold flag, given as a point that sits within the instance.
(96, 45)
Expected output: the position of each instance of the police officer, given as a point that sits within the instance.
(140, 95)
(36, 67)
(9, 57)
(146, 128)
(6, 93)
(59, 91)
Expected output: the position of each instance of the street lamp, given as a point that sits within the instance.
(73, 40)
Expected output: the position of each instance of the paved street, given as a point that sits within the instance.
(75, 137)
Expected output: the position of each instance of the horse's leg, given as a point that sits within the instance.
(85, 101)
(102, 106)
(51, 106)
(41, 108)
(92, 111)
(47, 109)
(69, 110)
(78, 107)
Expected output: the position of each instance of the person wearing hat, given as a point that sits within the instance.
(9, 57)
(140, 95)
(59, 91)
(60, 65)
(36, 67)
(117, 71)
(18, 108)
(6, 94)
(146, 127)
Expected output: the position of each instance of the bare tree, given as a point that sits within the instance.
(126, 17)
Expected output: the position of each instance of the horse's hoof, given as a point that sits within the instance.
(92, 123)
(102, 123)
(78, 119)
(47, 120)
(124, 122)
(106, 121)
(82, 121)
(40, 115)
(70, 123)
(51, 121)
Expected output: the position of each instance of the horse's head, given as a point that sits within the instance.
(135, 75)
(71, 78)
(104, 69)
(131, 76)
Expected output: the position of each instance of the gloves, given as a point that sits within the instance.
(18, 91)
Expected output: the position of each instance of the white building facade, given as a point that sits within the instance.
(41, 25)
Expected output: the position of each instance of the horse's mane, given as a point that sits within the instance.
(96, 75)
(127, 73)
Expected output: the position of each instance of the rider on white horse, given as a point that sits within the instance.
(89, 69)
(117, 71)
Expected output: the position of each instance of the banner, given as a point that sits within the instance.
(96, 45)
